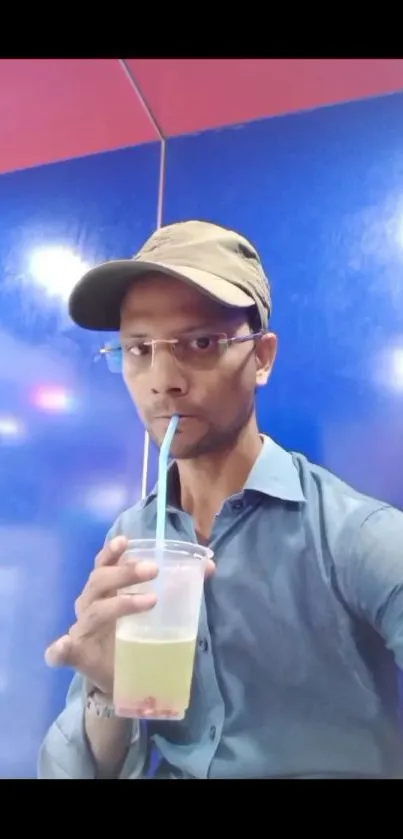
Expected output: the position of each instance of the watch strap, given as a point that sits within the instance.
(99, 704)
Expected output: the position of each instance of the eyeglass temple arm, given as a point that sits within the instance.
(239, 339)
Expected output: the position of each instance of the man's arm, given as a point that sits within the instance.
(118, 747)
(369, 570)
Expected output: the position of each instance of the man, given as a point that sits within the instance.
(301, 626)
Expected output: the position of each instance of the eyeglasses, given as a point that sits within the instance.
(196, 351)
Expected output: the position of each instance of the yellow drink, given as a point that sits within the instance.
(153, 677)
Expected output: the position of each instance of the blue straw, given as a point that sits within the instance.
(162, 479)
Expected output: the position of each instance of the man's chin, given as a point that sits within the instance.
(181, 448)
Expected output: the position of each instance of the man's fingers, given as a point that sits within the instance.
(105, 581)
(60, 652)
(210, 568)
(69, 650)
(104, 612)
(112, 551)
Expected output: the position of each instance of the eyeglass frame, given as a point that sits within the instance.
(223, 340)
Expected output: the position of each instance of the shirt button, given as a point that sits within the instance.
(237, 505)
(203, 645)
(213, 731)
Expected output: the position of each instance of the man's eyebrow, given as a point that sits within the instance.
(205, 325)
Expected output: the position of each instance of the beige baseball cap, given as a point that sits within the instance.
(219, 262)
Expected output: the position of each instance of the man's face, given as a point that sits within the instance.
(215, 398)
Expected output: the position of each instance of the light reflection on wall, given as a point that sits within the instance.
(53, 399)
(396, 368)
(10, 587)
(106, 502)
(56, 269)
(11, 428)
(388, 370)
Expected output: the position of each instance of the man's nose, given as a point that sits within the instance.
(165, 374)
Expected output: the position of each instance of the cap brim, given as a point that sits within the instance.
(95, 302)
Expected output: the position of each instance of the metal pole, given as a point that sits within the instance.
(160, 211)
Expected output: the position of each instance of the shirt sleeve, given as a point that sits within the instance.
(370, 574)
(65, 753)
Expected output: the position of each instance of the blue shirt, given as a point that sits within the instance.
(300, 632)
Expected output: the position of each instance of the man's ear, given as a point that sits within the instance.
(266, 351)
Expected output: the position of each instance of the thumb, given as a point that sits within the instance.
(60, 653)
(210, 568)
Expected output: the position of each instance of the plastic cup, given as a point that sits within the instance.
(154, 650)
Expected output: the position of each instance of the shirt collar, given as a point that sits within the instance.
(274, 474)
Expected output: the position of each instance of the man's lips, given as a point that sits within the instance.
(169, 416)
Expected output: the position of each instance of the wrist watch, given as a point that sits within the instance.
(100, 705)
(97, 703)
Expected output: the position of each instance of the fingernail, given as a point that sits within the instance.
(117, 543)
(147, 565)
(49, 657)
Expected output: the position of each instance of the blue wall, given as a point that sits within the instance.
(321, 194)
(71, 445)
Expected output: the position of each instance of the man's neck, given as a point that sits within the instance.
(206, 482)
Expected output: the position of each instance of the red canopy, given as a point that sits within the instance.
(55, 109)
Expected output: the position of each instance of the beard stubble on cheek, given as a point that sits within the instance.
(214, 435)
